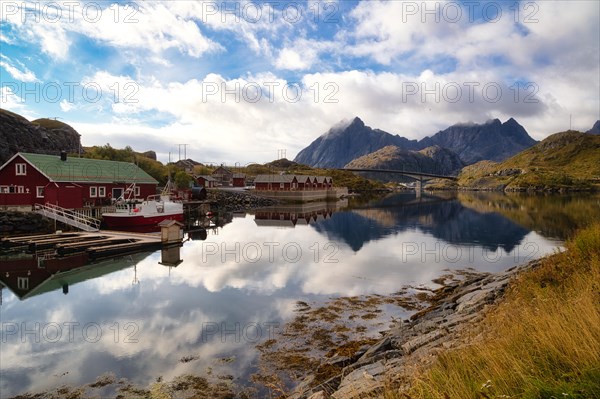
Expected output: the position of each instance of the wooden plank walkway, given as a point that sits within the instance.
(96, 244)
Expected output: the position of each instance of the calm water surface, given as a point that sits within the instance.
(140, 318)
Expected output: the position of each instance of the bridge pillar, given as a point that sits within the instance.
(419, 187)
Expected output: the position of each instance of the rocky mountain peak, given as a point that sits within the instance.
(595, 129)
(472, 142)
(357, 122)
(42, 136)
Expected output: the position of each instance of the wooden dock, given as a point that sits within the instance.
(96, 244)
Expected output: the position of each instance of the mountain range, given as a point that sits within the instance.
(595, 129)
(472, 142)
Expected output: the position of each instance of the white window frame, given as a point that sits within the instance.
(93, 192)
(21, 169)
(4, 189)
(281, 185)
(20, 190)
(39, 191)
(136, 191)
(23, 283)
(101, 191)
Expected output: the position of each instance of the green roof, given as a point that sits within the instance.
(83, 170)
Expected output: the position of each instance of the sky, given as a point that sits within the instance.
(240, 81)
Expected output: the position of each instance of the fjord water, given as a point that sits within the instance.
(140, 319)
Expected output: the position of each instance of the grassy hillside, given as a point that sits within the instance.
(564, 160)
(542, 341)
(12, 114)
(51, 124)
(154, 168)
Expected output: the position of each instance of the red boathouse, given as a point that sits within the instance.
(27, 179)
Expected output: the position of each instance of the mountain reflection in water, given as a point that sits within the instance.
(445, 219)
(180, 313)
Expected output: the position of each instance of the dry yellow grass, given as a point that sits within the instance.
(543, 341)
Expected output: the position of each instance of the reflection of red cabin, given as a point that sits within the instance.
(27, 179)
(30, 276)
(24, 275)
(292, 182)
(239, 180)
(289, 218)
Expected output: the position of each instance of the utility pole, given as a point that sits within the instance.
(184, 151)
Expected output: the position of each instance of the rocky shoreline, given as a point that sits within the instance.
(450, 322)
(14, 222)
(235, 201)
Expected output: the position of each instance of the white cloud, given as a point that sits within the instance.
(6, 39)
(24, 75)
(66, 106)
(220, 121)
(153, 26)
(558, 57)
(552, 34)
(303, 54)
(53, 39)
(292, 60)
(149, 26)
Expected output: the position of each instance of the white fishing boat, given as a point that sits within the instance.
(150, 212)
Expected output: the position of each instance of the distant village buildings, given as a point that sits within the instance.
(206, 181)
(239, 180)
(222, 176)
(292, 183)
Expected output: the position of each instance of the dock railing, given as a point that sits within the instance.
(67, 216)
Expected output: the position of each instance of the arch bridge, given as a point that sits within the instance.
(418, 176)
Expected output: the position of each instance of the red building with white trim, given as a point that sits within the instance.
(69, 182)
(292, 183)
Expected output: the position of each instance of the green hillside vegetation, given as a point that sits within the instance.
(541, 341)
(154, 168)
(12, 114)
(51, 124)
(341, 178)
(282, 163)
(567, 160)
